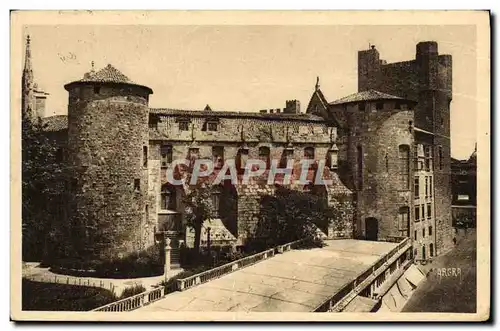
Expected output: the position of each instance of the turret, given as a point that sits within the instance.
(108, 162)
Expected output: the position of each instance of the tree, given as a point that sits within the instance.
(292, 215)
(42, 188)
(198, 208)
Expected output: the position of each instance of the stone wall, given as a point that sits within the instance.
(379, 193)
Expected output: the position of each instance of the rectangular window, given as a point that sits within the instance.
(415, 234)
(403, 217)
(216, 203)
(417, 213)
(429, 210)
(415, 158)
(361, 106)
(430, 230)
(431, 249)
(360, 167)
(440, 157)
(404, 166)
(145, 156)
(416, 186)
(137, 184)
(212, 126)
(430, 186)
(309, 153)
(423, 232)
(218, 156)
(166, 155)
(428, 158)
(183, 125)
(379, 105)
(426, 187)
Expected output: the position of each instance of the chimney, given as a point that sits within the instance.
(278, 110)
(271, 111)
(263, 111)
(292, 107)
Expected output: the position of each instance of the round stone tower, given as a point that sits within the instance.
(107, 165)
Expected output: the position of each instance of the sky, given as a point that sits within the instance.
(248, 68)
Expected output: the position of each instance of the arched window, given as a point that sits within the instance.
(404, 167)
(309, 153)
(265, 155)
(404, 221)
(168, 197)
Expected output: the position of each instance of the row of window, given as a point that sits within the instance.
(428, 187)
(424, 256)
(213, 125)
(166, 153)
(423, 232)
(380, 106)
(420, 212)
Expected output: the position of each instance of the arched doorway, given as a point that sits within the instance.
(371, 229)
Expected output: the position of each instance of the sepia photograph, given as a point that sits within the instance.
(250, 166)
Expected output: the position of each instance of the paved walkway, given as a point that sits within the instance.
(32, 271)
(296, 281)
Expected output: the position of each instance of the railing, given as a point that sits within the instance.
(205, 276)
(134, 302)
(71, 280)
(145, 298)
(349, 291)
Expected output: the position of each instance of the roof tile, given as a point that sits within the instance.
(366, 96)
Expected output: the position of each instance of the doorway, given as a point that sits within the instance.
(371, 229)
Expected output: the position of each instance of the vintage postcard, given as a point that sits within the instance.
(250, 166)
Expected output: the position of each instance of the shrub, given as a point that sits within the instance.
(133, 290)
(146, 263)
(61, 297)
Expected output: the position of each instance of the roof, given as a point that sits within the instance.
(213, 113)
(366, 96)
(55, 123)
(108, 74)
(60, 122)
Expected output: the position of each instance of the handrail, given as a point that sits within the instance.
(354, 284)
(134, 302)
(203, 277)
(145, 298)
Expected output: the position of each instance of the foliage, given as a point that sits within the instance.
(293, 215)
(146, 263)
(42, 190)
(133, 290)
(198, 204)
(53, 297)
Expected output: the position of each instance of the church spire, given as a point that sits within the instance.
(317, 83)
(27, 82)
(27, 57)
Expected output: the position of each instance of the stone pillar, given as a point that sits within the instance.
(167, 258)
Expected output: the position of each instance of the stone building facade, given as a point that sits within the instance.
(394, 147)
(385, 147)
(464, 189)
